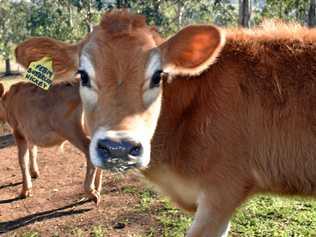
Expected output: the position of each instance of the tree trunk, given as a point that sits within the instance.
(7, 67)
(179, 14)
(122, 4)
(88, 17)
(297, 12)
(312, 14)
(244, 13)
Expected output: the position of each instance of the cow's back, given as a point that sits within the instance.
(40, 115)
(275, 99)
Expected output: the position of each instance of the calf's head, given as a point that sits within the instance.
(121, 65)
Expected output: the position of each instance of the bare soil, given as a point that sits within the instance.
(57, 207)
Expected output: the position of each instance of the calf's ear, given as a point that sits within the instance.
(192, 50)
(65, 56)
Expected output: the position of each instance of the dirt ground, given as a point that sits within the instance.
(57, 208)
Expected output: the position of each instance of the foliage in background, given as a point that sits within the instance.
(69, 20)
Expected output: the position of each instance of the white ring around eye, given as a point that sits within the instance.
(153, 65)
(87, 66)
(88, 95)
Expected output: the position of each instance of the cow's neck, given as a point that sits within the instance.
(178, 114)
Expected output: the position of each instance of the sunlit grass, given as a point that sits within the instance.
(260, 216)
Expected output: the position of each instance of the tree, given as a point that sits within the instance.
(244, 13)
(12, 29)
(88, 11)
(56, 19)
(122, 3)
(312, 13)
(289, 10)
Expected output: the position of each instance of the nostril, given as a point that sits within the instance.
(102, 148)
(136, 150)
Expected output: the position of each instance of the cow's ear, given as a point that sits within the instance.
(191, 50)
(65, 56)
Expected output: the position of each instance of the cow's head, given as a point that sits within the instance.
(122, 64)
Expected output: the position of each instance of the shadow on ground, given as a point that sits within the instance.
(10, 185)
(6, 141)
(7, 226)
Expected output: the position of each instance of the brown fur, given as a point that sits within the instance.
(245, 125)
(45, 119)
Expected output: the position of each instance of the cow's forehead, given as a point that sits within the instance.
(100, 48)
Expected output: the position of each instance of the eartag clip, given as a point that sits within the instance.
(40, 73)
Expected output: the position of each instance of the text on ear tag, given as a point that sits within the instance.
(40, 73)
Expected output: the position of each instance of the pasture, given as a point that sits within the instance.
(128, 207)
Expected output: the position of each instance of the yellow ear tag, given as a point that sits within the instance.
(40, 73)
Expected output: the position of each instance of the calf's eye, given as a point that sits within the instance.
(156, 79)
(84, 78)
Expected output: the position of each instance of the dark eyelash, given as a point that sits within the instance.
(84, 77)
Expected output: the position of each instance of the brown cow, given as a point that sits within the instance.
(237, 118)
(45, 119)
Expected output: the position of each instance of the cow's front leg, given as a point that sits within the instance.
(214, 211)
(24, 165)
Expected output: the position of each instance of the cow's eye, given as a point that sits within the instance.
(156, 79)
(84, 78)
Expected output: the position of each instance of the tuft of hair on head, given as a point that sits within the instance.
(1, 89)
(121, 21)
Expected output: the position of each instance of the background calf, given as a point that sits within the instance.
(45, 119)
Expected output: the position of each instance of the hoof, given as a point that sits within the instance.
(35, 174)
(26, 194)
(95, 196)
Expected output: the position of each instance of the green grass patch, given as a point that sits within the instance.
(30, 234)
(173, 221)
(275, 216)
(261, 216)
(98, 231)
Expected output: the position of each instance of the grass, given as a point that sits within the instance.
(276, 216)
(261, 216)
(30, 234)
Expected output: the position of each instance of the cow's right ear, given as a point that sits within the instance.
(192, 50)
(65, 56)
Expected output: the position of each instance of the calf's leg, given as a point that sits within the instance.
(78, 138)
(89, 182)
(98, 180)
(33, 157)
(24, 165)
